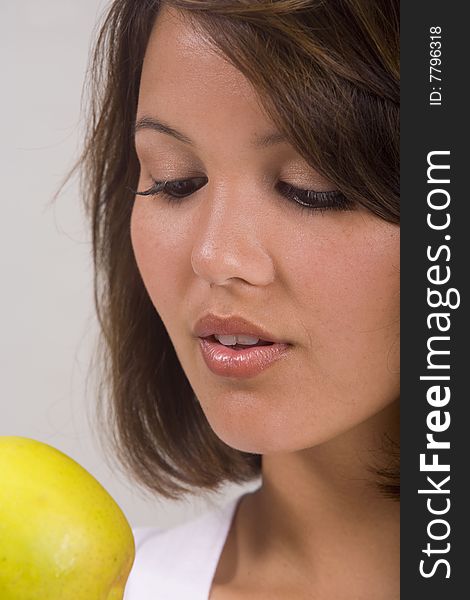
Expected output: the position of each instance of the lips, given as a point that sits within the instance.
(211, 325)
(238, 361)
(243, 363)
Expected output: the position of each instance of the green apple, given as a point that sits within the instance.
(62, 536)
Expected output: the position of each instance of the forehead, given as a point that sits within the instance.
(185, 80)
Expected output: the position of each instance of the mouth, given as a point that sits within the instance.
(235, 343)
(239, 360)
(233, 346)
(232, 330)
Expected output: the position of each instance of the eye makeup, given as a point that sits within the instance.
(176, 190)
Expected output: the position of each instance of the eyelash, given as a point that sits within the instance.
(327, 200)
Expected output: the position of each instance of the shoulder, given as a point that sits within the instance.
(178, 563)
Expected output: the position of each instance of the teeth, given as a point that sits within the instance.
(231, 340)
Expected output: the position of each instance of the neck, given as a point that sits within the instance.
(325, 514)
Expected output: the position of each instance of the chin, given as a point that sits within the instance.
(243, 423)
(258, 434)
(244, 427)
(251, 442)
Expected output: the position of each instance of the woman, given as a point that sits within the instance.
(242, 172)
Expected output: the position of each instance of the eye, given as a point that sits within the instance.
(176, 189)
(313, 200)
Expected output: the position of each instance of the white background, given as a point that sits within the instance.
(48, 325)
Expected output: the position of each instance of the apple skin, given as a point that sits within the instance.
(62, 536)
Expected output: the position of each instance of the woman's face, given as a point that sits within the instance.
(326, 282)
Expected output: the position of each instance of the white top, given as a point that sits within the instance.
(179, 563)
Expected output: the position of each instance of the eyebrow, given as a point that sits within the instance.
(153, 124)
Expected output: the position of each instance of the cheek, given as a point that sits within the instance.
(158, 242)
(358, 288)
(158, 247)
(351, 280)
(348, 297)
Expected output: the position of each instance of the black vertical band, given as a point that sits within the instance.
(435, 268)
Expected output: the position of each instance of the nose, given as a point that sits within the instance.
(228, 241)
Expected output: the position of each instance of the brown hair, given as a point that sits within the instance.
(327, 73)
